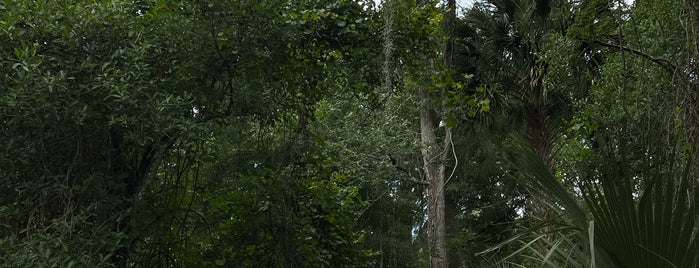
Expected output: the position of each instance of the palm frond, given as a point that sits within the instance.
(655, 228)
(537, 177)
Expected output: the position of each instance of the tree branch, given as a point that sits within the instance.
(410, 178)
(659, 61)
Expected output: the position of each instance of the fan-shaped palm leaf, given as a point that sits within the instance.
(652, 228)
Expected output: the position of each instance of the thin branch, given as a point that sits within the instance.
(410, 177)
(659, 61)
(414, 180)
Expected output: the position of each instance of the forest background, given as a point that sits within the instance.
(338, 133)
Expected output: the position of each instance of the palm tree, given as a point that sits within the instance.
(503, 44)
(629, 211)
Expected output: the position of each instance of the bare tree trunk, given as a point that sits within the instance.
(433, 156)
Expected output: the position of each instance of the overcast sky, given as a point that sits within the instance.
(468, 3)
(460, 3)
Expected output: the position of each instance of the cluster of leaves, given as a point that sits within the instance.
(154, 133)
(78, 98)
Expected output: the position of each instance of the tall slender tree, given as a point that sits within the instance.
(436, 145)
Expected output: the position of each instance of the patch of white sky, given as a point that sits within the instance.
(463, 4)
(459, 3)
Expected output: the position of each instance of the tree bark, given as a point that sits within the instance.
(433, 156)
(435, 152)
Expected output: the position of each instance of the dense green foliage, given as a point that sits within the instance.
(288, 133)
